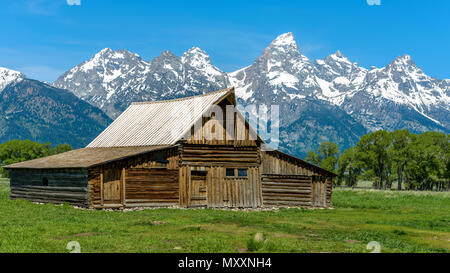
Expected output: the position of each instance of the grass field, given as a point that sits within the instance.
(398, 221)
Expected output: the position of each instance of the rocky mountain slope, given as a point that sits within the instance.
(30, 109)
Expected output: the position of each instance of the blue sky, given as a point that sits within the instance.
(44, 38)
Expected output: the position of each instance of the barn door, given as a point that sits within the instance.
(198, 188)
(112, 186)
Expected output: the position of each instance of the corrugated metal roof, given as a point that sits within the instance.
(83, 158)
(157, 122)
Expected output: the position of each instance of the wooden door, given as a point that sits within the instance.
(198, 189)
(112, 186)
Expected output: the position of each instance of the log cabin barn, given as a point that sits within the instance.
(179, 153)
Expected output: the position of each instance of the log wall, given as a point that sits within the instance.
(287, 190)
(219, 155)
(287, 181)
(151, 187)
(221, 190)
(133, 168)
(276, 163)
(51, 186)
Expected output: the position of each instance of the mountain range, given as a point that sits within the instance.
(30, 109)
(332, 99)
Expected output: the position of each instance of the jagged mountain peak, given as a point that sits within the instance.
(168, 53)
(8, 75)
(195, 56)
(338, 54)
(283, 47)
(108, 53)
(402, 62)
(195, 50)
(338, 57)
(286, 39)
(199, 59)
(108, 59)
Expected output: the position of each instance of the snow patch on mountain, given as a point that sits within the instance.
(8, 76)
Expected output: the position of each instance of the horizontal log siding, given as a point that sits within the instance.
(283, 168)
(152, 187)
(64, 186)
(151, 160)
(287, 190)
(277, 163)
(219, 155)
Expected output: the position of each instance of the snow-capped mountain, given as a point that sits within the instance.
(8, 76)
(338, 77)
(283, 76)
(112, 80)
(282, 69)
(400, 95)
(360, 100)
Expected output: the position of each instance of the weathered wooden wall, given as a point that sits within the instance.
(64, 186)
(230, 129)
(221, 190)
(131, 177)
(287, 190)
(151, 187)
(273, 162)
(291, 182)
(219, 155)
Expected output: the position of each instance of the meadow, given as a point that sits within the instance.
(398, 221)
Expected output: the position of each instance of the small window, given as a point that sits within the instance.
(45, 181)
(242, 172)
(230, 172)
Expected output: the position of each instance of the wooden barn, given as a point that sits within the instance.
(177, 152)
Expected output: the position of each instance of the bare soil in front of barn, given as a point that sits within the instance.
(395, 221)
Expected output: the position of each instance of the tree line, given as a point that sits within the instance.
(15, 151)
(414, 161)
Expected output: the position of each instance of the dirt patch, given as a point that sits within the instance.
(352, 241)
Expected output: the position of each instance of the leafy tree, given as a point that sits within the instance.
(372, 150)
(325, 157)
(400, 153)
(349, 167)
(21, 150)
(313, 158)
(427, 163)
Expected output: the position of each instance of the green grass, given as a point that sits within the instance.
(399, 221)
